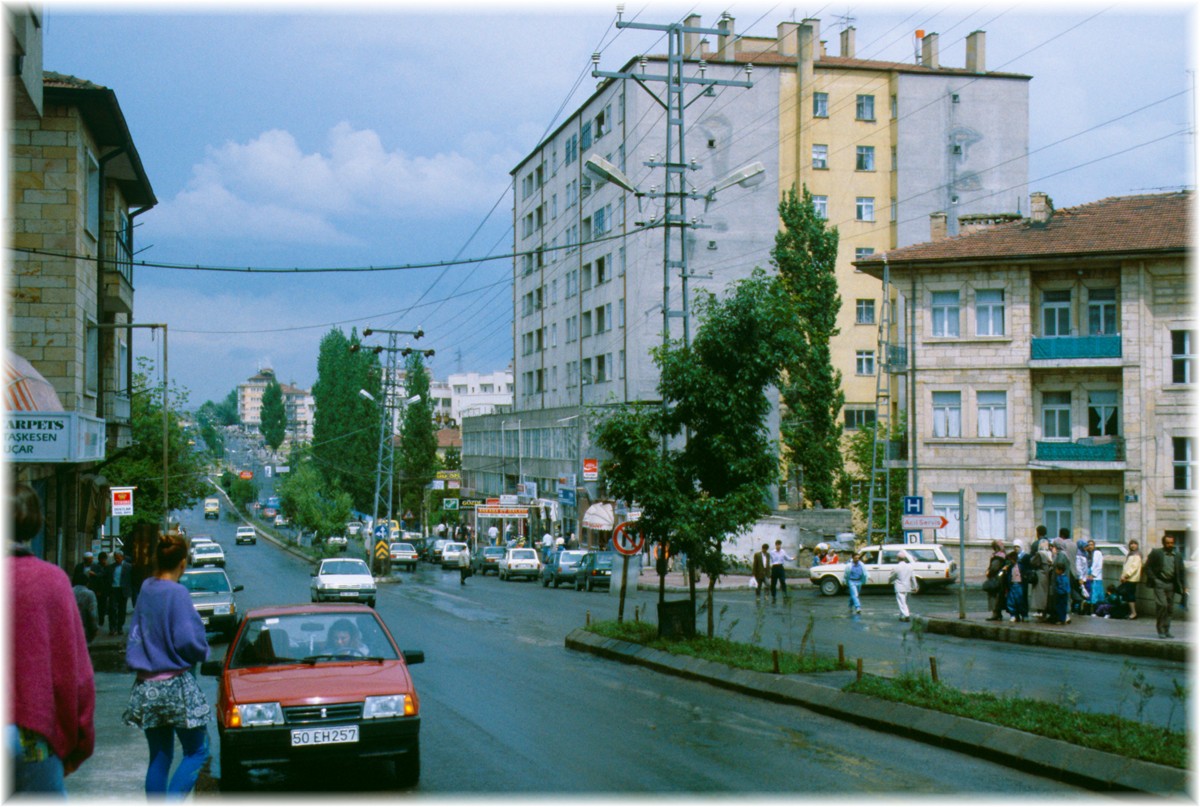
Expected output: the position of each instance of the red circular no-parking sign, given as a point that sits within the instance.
(625, 540)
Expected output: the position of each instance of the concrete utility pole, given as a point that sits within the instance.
(675, 191)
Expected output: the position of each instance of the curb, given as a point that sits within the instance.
(1054, 759)
(1066, 640)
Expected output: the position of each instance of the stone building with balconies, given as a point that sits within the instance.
(75, 185)
(1054, 372)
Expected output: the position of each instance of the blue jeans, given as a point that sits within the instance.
(44, 777)
(162, 751)
(854, 586)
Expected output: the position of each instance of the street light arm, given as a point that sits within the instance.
(602, 168)
(741, 175)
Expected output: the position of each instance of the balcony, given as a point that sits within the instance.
(1073, 348)
(116, 407)
(1084, 451)
(895, 358)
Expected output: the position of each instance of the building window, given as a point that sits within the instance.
(572, 329)
(989, 312)
(864, 107)
(1106, 518)
(1102, 312)
(91, 359)
(864, 208)
(862, 252)
(864, 362)
(1056, 513)
(895, 105)
(572, 150)
(947, 414)
(859, 418)
(864, 158)
(1056, 312)
(585, 323)
(864, 312)
(621, 364)
(1104, 412)
(585, 136)
(620, 313)
(993, 413)
(92, 202)
(944, 308)
(1056, 415)
(945, 504)
(572, 283)
(820, 206)
(1185, 463)
(820, 156)
(820, 105)
(1182, 356)
(992, 511)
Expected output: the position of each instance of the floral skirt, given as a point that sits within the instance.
(177, 702)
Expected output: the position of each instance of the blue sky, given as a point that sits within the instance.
(382, 135)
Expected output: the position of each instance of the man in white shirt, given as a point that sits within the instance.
(493, 535)
(902, 581)
(778, 557)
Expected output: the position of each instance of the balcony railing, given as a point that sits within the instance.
(895, 358)
(1088, 449)
(1107, 346)
(117, 407)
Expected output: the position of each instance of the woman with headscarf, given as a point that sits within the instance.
(1131, 574)
(1040, 563)
(994, 582)
(1016, 565)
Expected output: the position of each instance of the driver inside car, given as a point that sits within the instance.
(344, 640)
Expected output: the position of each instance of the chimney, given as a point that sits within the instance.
(848, 42)
(937, 226)
(788, 38)
(976, 40)
(691, 42)
(726, 43)
(1041, 208)
(810, 40)
(929, 51)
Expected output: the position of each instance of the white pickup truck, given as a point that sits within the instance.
(246, 535)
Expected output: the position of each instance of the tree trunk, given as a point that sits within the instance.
(712, 584)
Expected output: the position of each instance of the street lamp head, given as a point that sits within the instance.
(366, 395)
(412, 400)
(367, 332)
(602, 168)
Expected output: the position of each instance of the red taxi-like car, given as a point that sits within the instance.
(315, 684)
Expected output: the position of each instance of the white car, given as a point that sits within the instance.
(338, 541)
(246, 535)
(201, 539)
(930, 566)
(452, 552)
(353, 528)
(403, 554)
(281, 520)
(343, 580)
(520, 562)
(206, 554)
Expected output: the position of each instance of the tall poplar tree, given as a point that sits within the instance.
(805, 254)
(416, 461)
(346, 424)
(273, 417)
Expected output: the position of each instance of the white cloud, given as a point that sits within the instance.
(269, 188)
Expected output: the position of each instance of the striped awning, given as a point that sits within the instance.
(598, 517)
(25, 389)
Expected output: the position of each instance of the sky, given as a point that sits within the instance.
(382, 135)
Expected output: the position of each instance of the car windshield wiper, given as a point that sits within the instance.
(340, 657)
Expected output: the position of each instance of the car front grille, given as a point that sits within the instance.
(327, 713)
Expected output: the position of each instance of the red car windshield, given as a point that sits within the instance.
(315, 637)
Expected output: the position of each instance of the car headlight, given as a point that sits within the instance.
(376, 706)
(256, 714)
(223, 609)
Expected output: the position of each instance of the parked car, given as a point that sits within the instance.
(290, 692)
(435, 550)
(342, 580)
(451, 552)
(487, 559)
(207, 554)
(403, 554)
(519, 562)
(562, 567)
(212, 595)
(931, 568)
(353, 528)
(246, 535)
(595, 571)
(338, 542)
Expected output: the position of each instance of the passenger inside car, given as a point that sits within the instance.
(344, 640)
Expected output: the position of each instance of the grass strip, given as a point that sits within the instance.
(722, 651)
(1099, 732)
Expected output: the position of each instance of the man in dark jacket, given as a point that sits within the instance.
(120, 586)
(1164, 575)
(995, 590)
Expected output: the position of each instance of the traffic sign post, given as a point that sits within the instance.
(914, 505)
(628, 542)
(912, 536)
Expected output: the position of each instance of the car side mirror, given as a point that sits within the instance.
(211, 667)
(413, 656)
(238, 588)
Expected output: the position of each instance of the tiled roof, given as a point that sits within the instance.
(774, 58)
(52, 79)
(1113, 226)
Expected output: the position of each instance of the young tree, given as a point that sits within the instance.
(716, 391)
(227, 410)
(304, 494)
(805, 254)
(857, 479)
(416, 461)
(346, 426)
(141, 464)
(273, 419)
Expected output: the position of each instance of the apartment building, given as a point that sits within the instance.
(298, 404)
(1055, 370)
(75, 184)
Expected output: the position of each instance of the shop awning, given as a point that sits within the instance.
(25, 389)
(598, 517)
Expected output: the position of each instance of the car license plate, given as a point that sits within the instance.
(349, 593)
(325, 736)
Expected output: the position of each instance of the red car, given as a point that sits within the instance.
(314, 685)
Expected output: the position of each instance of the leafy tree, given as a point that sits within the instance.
(227, 410)
(273, 420)
(346, 426)
(805, 254)
(416, 461)
(241, 491)
(453, 459)
(214, 441)
(141, 464)
(716, 391)
(857, 479)
(310, 503)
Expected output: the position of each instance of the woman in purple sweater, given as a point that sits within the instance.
(166, 639)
